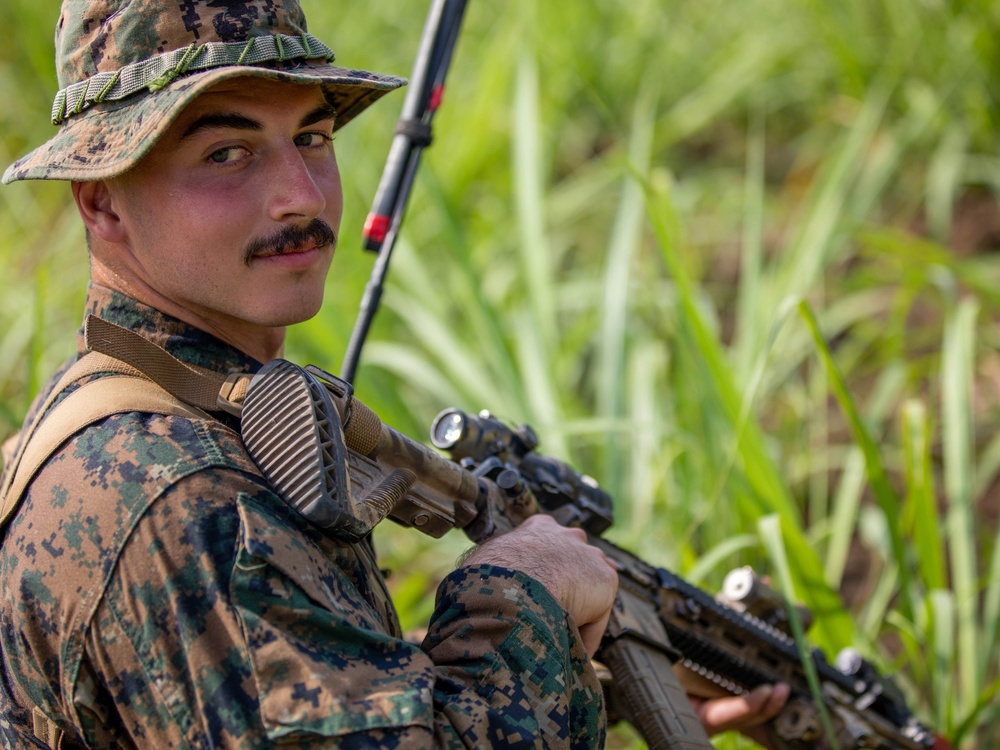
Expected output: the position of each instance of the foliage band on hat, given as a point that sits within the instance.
(158, 72)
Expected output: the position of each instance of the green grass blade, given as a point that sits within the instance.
(763, 475)
(921, 513)
(991, 606)
(834, 628)
(750, 289)
(844, 516)
(959, 470)
(529, 172)
(942, 632)
(884, 493)
(650, 449)
(810, 249)
(623, 248)
(770, 529)
(843, 520)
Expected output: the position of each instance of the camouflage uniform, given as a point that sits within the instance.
(157, 593)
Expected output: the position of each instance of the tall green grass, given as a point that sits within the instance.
(714, 253)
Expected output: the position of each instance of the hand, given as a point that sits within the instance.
(744, 713)
(578, 575)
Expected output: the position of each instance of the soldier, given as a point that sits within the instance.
(154, 590)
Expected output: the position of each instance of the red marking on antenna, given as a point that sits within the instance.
(436, 96)
(376, 227)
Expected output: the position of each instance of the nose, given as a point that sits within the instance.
(298, 187)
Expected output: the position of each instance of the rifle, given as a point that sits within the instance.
(332, 459)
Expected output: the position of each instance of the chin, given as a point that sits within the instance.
(301, 311)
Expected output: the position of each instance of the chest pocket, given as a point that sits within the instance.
(325, 662)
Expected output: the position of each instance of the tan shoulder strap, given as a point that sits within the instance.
(148, 379)
(205, 389)
(90, 364)
(90, 403)
(192, 385)
(48, 731)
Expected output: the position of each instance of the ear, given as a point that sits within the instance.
(93, 199)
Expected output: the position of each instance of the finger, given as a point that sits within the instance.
(742, 712)
(777, 701)
(592, 633)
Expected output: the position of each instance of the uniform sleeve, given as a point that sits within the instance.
(228, 625)
(511, 670)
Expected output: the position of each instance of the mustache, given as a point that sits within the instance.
(317, 232)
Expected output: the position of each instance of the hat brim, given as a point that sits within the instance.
(110, 138)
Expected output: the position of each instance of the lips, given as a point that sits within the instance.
(287, 250)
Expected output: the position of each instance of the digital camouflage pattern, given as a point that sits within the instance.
(126, 69)
(155, 593)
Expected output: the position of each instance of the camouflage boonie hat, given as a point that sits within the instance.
(127, 68)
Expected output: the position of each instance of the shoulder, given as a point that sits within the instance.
(87, 500)
(140, 452)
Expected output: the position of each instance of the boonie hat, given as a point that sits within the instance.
(127, 68)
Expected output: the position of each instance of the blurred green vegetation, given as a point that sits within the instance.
(737, 261)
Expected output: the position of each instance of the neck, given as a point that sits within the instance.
(263, 343)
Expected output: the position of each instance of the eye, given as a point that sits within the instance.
(226, 155)
(312, 140)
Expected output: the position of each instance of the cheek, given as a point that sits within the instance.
(219, 218)
(161, 215)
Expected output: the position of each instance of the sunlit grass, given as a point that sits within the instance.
(610, 239)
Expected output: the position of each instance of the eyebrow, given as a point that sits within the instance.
(221, 120)
(322, 112)
(236, 121)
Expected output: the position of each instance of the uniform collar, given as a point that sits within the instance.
(183, 340)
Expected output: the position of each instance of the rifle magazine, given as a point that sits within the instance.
(648, 695)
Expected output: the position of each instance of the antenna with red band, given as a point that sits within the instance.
(413, 135)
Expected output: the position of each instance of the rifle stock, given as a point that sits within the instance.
(331, 458)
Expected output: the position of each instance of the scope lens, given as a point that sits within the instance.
(448, 429)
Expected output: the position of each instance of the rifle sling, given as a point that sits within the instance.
(196, 386)
(125, 389)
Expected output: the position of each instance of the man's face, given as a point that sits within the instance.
(233, 215)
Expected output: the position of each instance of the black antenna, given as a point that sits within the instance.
(413, 135)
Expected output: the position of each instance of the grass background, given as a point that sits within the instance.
(737, 261)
